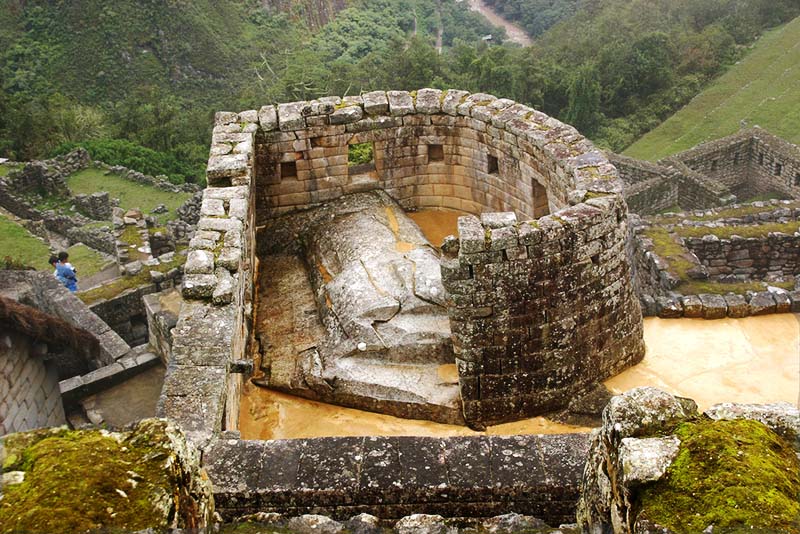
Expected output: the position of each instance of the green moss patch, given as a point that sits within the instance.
(85, 480)
(664, 245)
(87, 260)
(735, 475)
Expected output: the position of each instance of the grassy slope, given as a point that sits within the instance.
(764, 89)
(130, 194)
(21, 245)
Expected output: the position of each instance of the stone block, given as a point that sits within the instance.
(737, 306)
(761, 303)
(429, 101)
(471, 235)
(223, 291)
(290, 116)
(212, 208)
(222, 168)
(347, 115)
(198, 286)
(376, 103)
(498, 219)
(400, 103)
(453, 99)
(669, 308)
(199, 262)
(692, 306)
(268, 118)
(503, 238)
(714, 306)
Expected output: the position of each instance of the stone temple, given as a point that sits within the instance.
(308, 262)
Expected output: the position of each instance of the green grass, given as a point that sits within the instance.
(87, 260)
(118, 285)
(22, 246)
(130, 194)
(700, 287)
(762, 89)
(5, 168)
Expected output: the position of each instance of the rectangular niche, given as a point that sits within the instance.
(288, 169)
(492, 164)
(435, 153)
(360, 158)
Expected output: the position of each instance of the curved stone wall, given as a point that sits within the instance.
(473, 153)
(541, 305)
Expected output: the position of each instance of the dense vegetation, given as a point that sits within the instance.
(120, 76)
(535, 16)
(760, 90)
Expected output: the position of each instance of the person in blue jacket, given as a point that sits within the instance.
(65, 274)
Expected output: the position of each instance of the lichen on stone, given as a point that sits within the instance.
(734, 475)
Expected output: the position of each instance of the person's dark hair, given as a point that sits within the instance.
(53, 260)
(63, 256)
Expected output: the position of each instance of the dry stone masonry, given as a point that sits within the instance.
(540, 305)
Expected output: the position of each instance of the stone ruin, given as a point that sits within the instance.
(713, 183)
(532, 301)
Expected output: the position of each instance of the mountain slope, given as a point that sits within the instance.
(762, 89)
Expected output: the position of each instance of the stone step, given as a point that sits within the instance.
(103, 378)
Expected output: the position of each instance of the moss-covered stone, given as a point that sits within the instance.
(735, 475)
(79, 481)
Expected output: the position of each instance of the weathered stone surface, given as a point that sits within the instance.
(376, 102)
(199, 286)
(498, 220)
(230, 257)
(429, 101)
(692, 306)
(199, 262)
(714, 306)
(737, 306)
(511, 523)
(423, 524)
(347, 115)
(646, 459)
(761, 303)
(290, 117)
(400, 103)
(212, 208)
(268, 118)
(314, 524)
(645, 410)
(223, 290)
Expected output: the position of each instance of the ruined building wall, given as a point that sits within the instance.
(775, 162)
(29, 394)
(565, 307)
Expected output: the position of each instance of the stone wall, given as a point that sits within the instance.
(389, 477)
(126, 314)
(653, 188)
(473, 153)
(541, 309)
(29, 394)
(739, 259)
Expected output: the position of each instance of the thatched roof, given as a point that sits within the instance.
(46, 328)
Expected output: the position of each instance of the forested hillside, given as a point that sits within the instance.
(763, 89)
(138, 81)
(535, 16)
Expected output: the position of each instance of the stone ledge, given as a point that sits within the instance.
(101, 379)
(479, 476)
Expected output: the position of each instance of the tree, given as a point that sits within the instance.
(583, 110)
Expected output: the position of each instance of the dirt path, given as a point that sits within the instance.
(514, 32)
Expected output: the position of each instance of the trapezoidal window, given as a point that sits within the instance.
(492, 166)
(713, 165)
(435, 153)
(778, 169)
(797, 179)
(360, 158)
(761, 159)
(736, 159)
(288, 169)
